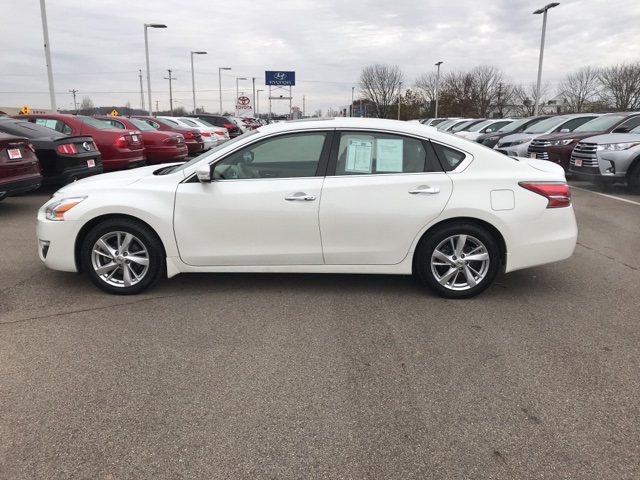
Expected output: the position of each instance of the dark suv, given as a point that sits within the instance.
(557, 147)
(491, 139)
(219, 121)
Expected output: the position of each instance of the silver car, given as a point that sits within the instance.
(608, 159)
(516, 145)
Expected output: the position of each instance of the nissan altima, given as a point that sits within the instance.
(343, 195)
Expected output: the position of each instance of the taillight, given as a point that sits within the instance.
(95, 147)
(205, 134)
(229, 126)
(31, 147)
(188, 135)
(557, 194)
(67, 149)
(121, 142)
(170, 140)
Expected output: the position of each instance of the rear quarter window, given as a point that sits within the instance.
(449, 157)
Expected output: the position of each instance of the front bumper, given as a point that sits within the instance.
(515, 150)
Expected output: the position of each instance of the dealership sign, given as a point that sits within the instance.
(283, 79)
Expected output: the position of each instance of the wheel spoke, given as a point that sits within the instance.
(109, 267)
(126, 275)
(139, 260)
(462, 240)
(447, 276)
(124, 246)
(471, 281)
(441, 256)
(105, 246)
(480, 257)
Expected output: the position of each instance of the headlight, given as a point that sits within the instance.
(557, 143)
(616, 147)
(56, 210)
(521, 141)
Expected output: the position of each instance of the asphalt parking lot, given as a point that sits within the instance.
(311, 376)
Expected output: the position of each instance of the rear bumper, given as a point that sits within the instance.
(70, 174)
(166, 154)
(20, 186)
(194, 147)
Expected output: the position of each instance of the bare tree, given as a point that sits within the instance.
(621, 86)
(524, 98)
(486, 88)
(579, 89)
(86, 107)
(179, 111)
(126, 110)
(425, 89)
(457, 94)
(381, 85)
(317, 113)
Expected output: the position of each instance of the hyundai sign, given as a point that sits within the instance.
(283, 79)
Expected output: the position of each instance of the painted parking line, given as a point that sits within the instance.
(608, 196)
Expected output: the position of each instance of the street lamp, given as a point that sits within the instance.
(146, 51)
(258, 103)
(238, 92)
(193, 79)
(435, 115)
(399, 98)
(544, 28)
(220, 84)
(351, 109)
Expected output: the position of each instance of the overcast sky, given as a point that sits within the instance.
(97, 46)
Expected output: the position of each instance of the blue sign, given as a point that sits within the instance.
(285, 79)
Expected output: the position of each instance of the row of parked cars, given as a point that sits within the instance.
(601, 148)
(57, 148)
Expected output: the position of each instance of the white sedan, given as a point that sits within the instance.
(342, 195)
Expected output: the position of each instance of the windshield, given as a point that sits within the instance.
(461, 126)
(600, 124)
(96, 123)
(512, 127)
(546, 125)
(478, 126)
(444, 125)
(213, 150)
(142, 125)
(170, 123)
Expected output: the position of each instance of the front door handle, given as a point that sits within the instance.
(424, 189)
(300, 197)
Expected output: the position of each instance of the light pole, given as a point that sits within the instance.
(193, 79)
(435, 115)
(47, 55)
(220, 84)
(258, 103)
(544, 28)
(399, 98)
(351, 108)
(146, 51)
(238, 92)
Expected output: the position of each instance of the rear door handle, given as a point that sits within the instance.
(424, 189)
(300, 197)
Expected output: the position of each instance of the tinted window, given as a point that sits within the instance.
(285, 156)
(449, 158)
(141, 125)
(599, 124)
(170, 123)
(546, 125)
(632, 123)
(27, 129)
(571, 125)
(516, 126)
(57, 125)
(380, 153)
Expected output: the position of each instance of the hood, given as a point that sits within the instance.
(518, 136)
(614, 138)
(111, 180)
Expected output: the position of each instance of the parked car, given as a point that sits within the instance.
(62, 158)
(119, 149)
(419, 200)
(516, 145)
(219, 121)
(491, 139)
(609, 159)
(557, 147)
(221, 134)
(158, 146)
(192, 138)
(487, 126)
(464, 126)
(208, 137)
(19, 167)
(447, 126)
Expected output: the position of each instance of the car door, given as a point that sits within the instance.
(385, 189)
(261, 207)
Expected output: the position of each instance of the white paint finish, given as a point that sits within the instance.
(248, 222)
(502, 200)
(373, 219)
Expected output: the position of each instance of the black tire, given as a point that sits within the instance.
(450, 273)
(633, 179)
(139, 265)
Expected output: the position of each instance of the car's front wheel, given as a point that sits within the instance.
(123, 256)
(458, 260)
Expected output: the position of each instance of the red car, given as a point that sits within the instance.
(158, 146)
(192, 136)
(19, 166)
(119, 149)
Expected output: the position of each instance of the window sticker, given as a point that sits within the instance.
(389, 156)
(359, 156)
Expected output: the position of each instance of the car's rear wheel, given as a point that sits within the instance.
(123, 256)
(633, 179)
(458, 260)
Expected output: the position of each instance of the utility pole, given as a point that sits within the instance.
(47, 55)
(500, 106)
(141, 90)
(170, 92)
(75, 104)
(303, 107)
(156, 107)
(254, 96)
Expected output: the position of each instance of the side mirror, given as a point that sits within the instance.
(565, 130)
(204, 173)
(621, 130)
(488, 130)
